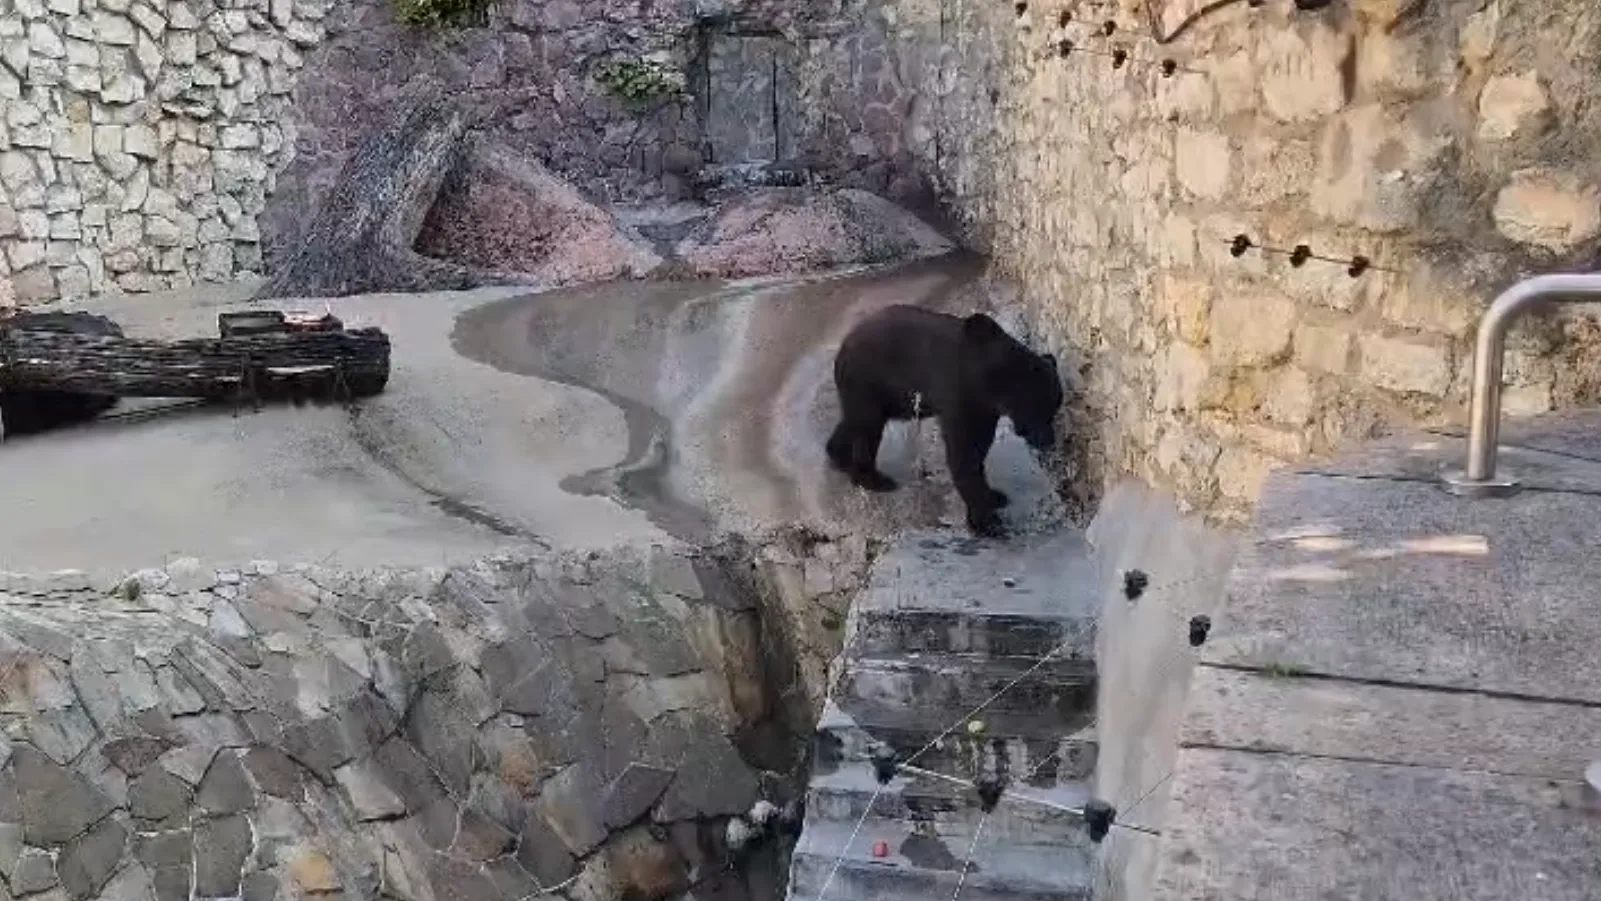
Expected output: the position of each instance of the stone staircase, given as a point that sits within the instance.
(945, 623)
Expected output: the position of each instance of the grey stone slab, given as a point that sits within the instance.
(367, 793)
(1399, 581)
(88, 862)
(34, 871)
(274, 773)
(133, 754)
(225, 788)
(443, 737)
(479, 837)
(57, 804)
(1409, 726)
(570, 803)
(1269, 827)
(221, 847)
(631, 794)
(408, 774)
(159, 798)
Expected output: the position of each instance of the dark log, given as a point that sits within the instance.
(362, 238)
(345, 364)
(28, 412)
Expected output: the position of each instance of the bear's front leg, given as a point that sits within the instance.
(967, 445)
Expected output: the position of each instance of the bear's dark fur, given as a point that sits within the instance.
(905, 362)
(27, 412)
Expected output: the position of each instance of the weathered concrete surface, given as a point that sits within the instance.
(946, 627)
(575, 725)
(620, 412)
(1144, 662)
(1398, 701)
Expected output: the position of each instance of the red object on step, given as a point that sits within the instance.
(880, 849)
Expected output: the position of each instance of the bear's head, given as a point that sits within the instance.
(1017, 382)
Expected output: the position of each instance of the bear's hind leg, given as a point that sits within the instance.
(839, 447)
(867, 432)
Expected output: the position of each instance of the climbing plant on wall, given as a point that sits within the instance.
(639, 81)
(437, 14)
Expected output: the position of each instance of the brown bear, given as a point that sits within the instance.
(905, 362)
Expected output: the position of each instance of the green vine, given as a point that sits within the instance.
(439, 14)
(639, 81)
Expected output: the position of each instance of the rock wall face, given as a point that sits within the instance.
(583, 726)
(1452, 142)
(816, 86)
(140, 139)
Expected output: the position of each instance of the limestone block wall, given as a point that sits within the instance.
(1456, 143)
(140, 138)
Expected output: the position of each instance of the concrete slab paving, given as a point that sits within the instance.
(580, 418)
(1399, 698)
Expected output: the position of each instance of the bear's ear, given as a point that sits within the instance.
(980, 329)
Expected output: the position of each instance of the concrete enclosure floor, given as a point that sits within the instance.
(579, 418)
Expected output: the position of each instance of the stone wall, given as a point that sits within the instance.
(582, 726)
(140, 138)
(808, 87)
(1455, 143)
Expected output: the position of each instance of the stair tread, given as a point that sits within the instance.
(915, 853)
(998, 667)
(1044, 575)
(998, 723)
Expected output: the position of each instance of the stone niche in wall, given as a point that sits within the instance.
(808, 94)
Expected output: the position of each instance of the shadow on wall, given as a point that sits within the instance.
(1144, 661)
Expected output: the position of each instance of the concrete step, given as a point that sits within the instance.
(946, 687)
(921, 865)
(886, 632)
(1025, 815)
(1048, 754)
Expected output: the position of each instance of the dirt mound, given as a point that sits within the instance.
(776, 231)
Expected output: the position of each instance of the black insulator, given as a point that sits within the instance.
(1064, 47)
(885, 765)
(1239, 245)
(990, 788)
(1168, 68)
(1134, 583)
(1099, 817)
(1359, 265)
(1119, 57)
(1200, 627)
(1109, 28)
(1300, 255)
(1065, 19)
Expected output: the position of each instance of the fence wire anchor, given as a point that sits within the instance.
(885, 764)
(1099, 816)
(990, 787)
(1135, 582)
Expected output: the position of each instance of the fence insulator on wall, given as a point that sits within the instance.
(1301, 254)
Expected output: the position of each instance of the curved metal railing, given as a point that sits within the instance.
(1479, 478)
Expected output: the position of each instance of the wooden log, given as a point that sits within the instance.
(345, 364)
(361, 240)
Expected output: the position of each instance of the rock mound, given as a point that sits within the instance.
(776, 231)
(562, 726)
(504, 213)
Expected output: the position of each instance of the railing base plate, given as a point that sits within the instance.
(1457, 482)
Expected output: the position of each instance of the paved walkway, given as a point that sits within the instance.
(1403, 689)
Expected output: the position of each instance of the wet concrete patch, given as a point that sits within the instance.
(726, 390)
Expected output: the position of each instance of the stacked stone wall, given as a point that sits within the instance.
(140, 139)
(1452, 142)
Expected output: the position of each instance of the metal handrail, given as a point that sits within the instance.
(1479, 477)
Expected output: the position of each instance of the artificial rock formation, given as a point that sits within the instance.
(791, 230)
(581, 727)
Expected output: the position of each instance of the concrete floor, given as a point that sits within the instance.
(579, 418)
